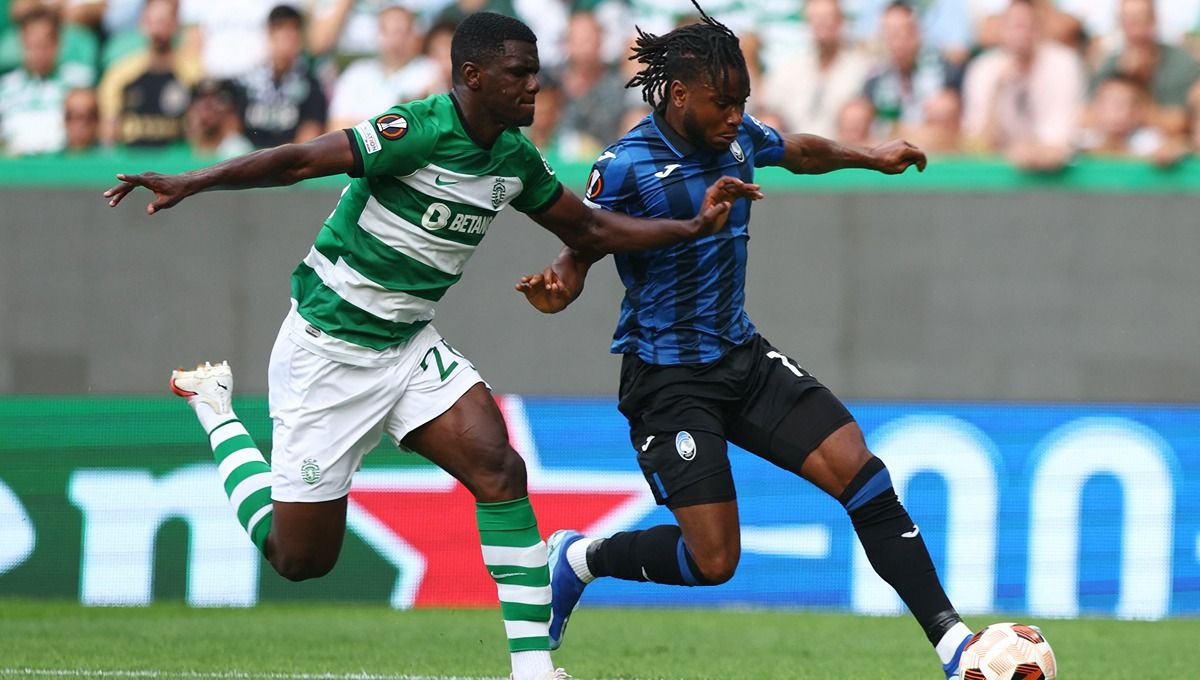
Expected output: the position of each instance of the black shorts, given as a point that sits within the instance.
(680, 418)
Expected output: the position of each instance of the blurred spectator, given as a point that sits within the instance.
(81, 119)
(350, 28)
(284, 102)
(370, 86)
(940, 129)
(459, 9)
(144, 95)
(1055, 24)
(1100, 19)
(908, 76)
(78, 47)
(1121, 123)
(809, 90)
(593, 92)
(89, 13)
(437, 50)
(228, 35)
(1194, 118)
(1025, 97)
(945, 24)
(548, 113)
(854, 122)
(1166, 71)
(212, 123)
(31, 96)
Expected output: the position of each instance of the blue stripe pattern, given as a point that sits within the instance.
(880, 482)
(684, 570)
(683, 304)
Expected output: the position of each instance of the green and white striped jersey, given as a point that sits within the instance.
(405, 227)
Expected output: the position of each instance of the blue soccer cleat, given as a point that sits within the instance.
(566, 588)
(951, 669)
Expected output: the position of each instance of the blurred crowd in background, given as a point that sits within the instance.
(1035, 81)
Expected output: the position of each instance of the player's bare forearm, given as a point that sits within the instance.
(599, 231)
(560, 284)
(814, 155)
(329, 154)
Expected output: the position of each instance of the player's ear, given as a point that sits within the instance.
(472, 75)
(678, 93)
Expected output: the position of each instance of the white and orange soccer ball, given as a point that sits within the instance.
(1008, 651)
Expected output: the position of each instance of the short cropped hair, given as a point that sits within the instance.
(481, 36)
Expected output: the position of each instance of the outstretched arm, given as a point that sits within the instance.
(595, 230)
(813, 155)
(329, 154)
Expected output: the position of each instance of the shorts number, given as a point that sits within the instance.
(444, 371)
(787, 363)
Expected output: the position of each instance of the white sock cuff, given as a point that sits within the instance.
(577, 558)
(948, 645)
(531, 665)
(209, 418)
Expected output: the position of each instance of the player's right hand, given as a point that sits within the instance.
(168, 189)
(545, 291)
(718, 200)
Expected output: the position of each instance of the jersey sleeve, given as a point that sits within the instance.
(611, 184)
(392, 143)
(768, 143)
(541, 188)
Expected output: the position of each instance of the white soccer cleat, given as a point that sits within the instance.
(212, 385)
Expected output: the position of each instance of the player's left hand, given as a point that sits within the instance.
(545, 291)
(719, 199)
(894, 157)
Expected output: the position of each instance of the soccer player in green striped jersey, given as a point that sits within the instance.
(357, 357)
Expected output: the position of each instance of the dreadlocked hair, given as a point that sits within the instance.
(705, 48)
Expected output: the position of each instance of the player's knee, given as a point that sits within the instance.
(500, 476)
(718, 567)
(301, 567)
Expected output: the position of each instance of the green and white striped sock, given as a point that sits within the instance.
(246, 476)
(515, 556)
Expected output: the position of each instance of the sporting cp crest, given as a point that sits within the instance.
(498, 192)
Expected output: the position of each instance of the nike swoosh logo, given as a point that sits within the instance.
(224, 387)
(508, 575)
(444, 183)
(647, 444)
(916, 531)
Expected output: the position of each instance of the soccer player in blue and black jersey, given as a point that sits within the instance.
(695, 373)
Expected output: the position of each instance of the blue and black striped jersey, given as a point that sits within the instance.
(683, 304)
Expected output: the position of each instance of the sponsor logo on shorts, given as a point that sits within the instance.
(310, 472)
(685, 445)
(392, 126)
(737, 151)
(369, 138)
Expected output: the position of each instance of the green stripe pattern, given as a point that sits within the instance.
(515, 556)
(246, 477)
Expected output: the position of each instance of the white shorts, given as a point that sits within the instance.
(327, 415)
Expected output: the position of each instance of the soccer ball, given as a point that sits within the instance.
(1008, 651)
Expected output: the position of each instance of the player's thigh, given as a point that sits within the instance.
(326, 416)
(788, 413)
(449, 416)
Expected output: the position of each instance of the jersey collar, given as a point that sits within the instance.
(462, 121)
(677, 143)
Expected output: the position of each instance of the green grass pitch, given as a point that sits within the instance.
(313, 641)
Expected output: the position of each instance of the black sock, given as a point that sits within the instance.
(657, 554)
(898, 554)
